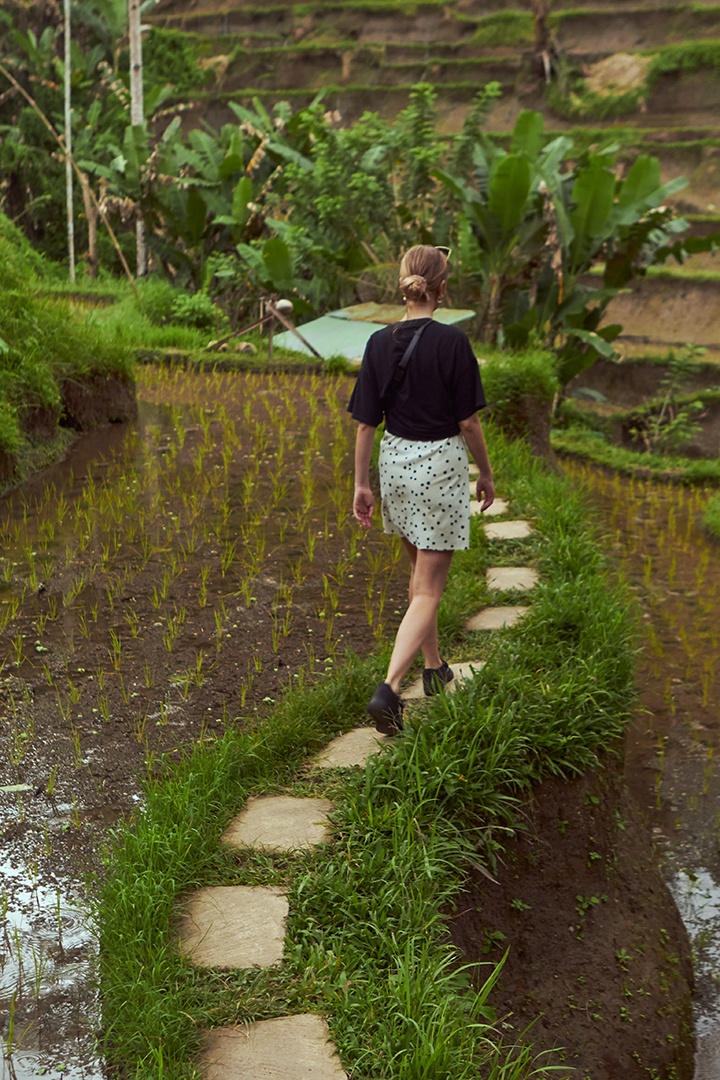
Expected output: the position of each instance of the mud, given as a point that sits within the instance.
(656, 537)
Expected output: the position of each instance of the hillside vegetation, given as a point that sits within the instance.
(645, 77)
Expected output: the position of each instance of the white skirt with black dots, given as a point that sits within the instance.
(425, 491)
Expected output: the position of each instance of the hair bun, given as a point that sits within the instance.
(416, 281)
(414, 287)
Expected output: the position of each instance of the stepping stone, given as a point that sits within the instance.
(235, 926)
(495, 618)
(466, 670)
(498, 508)
(352, 748)
(508, 530)
(288, 1048)
(504, 578)
(280, 823)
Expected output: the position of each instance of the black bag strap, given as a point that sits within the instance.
(401, 368)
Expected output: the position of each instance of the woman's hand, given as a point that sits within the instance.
(485, 491)
(363, 506)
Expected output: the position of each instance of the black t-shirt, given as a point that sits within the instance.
(441, 385)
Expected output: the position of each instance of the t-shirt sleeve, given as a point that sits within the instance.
(468, 393)
(364, 405)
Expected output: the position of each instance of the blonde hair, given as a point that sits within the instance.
(423, 270)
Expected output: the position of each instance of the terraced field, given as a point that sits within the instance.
(645, 75)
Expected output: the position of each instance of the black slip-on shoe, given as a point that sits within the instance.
(386, 709)
(434, 679)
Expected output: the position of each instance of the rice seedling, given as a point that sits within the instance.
(83, 624)
(228, 557)
(18, 649)
(133, 621)
(8, 612)
(77, 747)
(63, 707)
(52, 781)
(115, 650)
(73, 590)
(148, 676)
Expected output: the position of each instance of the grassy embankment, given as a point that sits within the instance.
(366, 943)
(44, 344)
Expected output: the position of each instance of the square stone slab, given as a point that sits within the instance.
(352, 748)
(235, 926)
(498, 508)
(508, 530)
(503, 578)
(466, 670)
(279, 823)
(495, 618)
(289, 1048)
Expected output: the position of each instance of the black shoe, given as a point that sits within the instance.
(434, 679)
(386, 709)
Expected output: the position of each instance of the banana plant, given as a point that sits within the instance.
(532, 226)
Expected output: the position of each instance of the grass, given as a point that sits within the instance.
(511, 28)
(367, 945)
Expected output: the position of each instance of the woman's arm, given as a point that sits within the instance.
(363, 499)
(472, 432)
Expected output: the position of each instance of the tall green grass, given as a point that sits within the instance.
(367, 945)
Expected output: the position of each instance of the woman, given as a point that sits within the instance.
(422, 378)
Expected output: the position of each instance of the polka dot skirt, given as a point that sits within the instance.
(425, 491)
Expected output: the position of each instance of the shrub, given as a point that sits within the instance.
(521, 388)
(197, 310)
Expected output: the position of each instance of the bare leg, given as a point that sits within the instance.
(429, 646)
(418, 629)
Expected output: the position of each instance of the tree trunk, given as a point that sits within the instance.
(91, 216)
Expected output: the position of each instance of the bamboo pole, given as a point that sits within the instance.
(137, 118)
(68, 144)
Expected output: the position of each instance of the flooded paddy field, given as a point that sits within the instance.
(174, 576)
(655, 532)
(166, 579)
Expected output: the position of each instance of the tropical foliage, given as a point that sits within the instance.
(531, 225)
(291, 202)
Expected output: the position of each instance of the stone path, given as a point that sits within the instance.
(280, 823)
(288, 1048)
(231, 927)
(496, 618)
(235, 926)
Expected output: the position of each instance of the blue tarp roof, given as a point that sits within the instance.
(345, 332)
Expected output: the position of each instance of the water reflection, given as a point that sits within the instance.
(48, 1005)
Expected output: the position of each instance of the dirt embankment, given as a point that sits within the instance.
(598, 959)
(87, 402)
